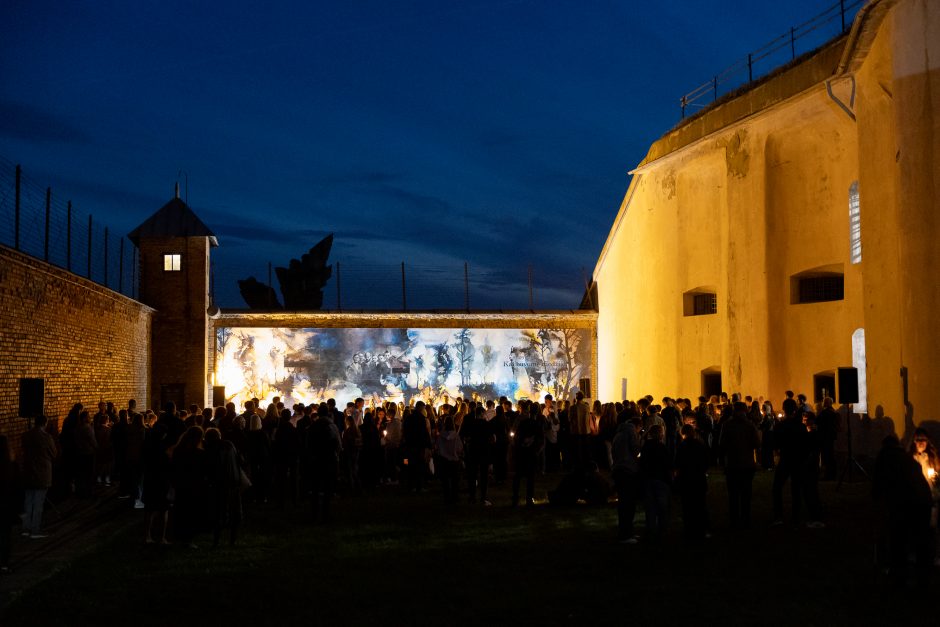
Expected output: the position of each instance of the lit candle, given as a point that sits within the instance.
(931, 473)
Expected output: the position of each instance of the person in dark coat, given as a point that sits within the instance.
(479, 441)
(223, 474)
(739, 444)
(526, 444)
(104, 453)
(85, 449)
(132, 467)
(416, 445)
(625, 451)
(790, 440)
(692, 459)
(323, 448)
(39, 452)
(187, 468)
(285, 452)
(656, 470)
(827, 427)
(902, 509)
(156, 481)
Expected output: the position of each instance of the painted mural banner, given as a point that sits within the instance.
(312, 365)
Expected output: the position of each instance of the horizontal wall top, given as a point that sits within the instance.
(438, 319)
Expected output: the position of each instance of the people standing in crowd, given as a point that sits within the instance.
(551, 427)
(626, 475)
(740, 443)
(767, 423)
(132, 472)
(258, 452)
(370, 456)
(39, 453)
(500, 425)
(579, 418)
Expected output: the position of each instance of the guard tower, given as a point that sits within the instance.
(174, 247)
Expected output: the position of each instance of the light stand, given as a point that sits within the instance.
(851, 461)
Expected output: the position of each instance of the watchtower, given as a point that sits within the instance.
(174, 246)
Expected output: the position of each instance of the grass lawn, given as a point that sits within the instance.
(395, 558)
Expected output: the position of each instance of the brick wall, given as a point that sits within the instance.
(88, 342)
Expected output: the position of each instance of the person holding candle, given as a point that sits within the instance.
(925, 453)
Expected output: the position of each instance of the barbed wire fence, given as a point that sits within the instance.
(35, 220)
(802, 38)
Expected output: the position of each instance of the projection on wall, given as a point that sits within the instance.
(311, 365)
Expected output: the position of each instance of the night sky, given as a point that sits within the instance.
(495, 132)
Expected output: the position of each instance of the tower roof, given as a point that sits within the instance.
(174, 219)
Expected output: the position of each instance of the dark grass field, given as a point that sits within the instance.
(395, 558)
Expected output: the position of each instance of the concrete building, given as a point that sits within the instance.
(788, 230)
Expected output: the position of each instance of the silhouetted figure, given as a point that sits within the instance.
(790, 440)
(626, 473)
(827, 426)
(323, 447)
(39, 453)
(223, 472)
(692, 459)
(739, 444)
(902, 507)
(526, 445)
(656, 470)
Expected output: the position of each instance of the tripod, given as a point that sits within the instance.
(851, 461)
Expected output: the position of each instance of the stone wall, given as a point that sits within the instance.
(88, 342)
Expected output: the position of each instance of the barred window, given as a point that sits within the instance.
(820, 289)
(704, 304)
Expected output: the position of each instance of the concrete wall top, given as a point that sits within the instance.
(457, 319)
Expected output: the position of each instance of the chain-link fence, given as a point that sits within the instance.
(36, 221)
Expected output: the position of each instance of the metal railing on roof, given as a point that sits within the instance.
(774, 54)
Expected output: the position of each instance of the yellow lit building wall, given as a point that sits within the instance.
(755, 191)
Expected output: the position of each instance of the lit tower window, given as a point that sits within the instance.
(171, 262)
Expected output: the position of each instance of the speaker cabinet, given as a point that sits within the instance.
(218, 396)
(32, 397)
(848, 386)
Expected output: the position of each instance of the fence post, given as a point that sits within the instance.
(750, 68)
(270, 289)
(531, 300)
(68, 236)
(89, 245)
(339, 292)
(682, 104)
(466, 286)
(16, 223)
(134, 274)
(45, 249)
(404, 293)
(121, 266)
(842, 9)
(106, 256)
(792, 43)
(715, 88)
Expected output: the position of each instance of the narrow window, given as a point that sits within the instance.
(855, 225)
(171, 263)
(859, 361)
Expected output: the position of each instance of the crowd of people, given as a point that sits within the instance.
(192, 471)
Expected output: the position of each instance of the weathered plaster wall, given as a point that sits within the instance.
(741, 203)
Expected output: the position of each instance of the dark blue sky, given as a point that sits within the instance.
(497, 132)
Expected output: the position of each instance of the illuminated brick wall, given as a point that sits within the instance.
(88, 342)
